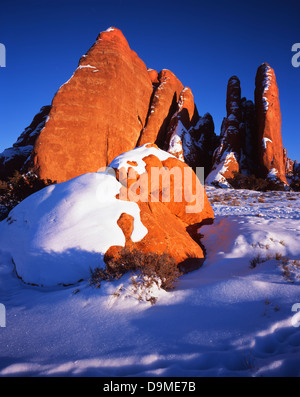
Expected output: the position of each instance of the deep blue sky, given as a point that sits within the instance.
(203, 42)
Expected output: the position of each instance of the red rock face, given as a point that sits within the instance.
(270, 148)
(163, 105)
(111, 104)
(179, 238)
(96, 115)
(154, 77)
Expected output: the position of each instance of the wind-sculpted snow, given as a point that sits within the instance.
(225, 319)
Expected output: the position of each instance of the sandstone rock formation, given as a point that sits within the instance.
(227, 156)
(97, 114)
(113, 103)
(270, 148)
(164, 188)
(15, 158)
(163, 105)
(62, 231)
(289, 165)
(178, 140)
(251, 141)
(120, 104)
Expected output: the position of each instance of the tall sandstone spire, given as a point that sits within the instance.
(112, 103)
(226, 157)
(270, 148)
(251, 141)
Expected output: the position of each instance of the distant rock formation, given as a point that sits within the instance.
(15, 158)
(251, 141)
(227, 156)
(270, 148)
(204, 142)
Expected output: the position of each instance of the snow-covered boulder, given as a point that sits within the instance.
(55, 235)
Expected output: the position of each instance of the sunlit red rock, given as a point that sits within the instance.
(97, 114)
(173, 204)
(163, 105)
(270, 148)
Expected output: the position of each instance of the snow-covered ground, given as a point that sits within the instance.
(229, 318)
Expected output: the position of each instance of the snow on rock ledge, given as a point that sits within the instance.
(58, 233)
(134, 158)
(222, 171)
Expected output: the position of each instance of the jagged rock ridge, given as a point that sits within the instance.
(113, 103)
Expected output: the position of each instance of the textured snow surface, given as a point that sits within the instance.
(225, 319)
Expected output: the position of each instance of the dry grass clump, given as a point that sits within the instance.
(148, 269)
(290, 268)
(215, 199)
(256, 260)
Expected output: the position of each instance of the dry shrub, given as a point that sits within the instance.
(295, 185)
(18, 187)
(150, 267)
(215, 199)
(235, 203)
(256, 260)
(240, 181)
